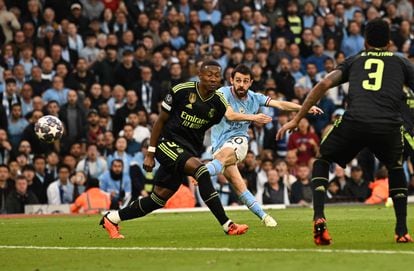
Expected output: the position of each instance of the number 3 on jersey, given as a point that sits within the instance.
(374, 82)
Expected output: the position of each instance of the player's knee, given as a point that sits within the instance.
(226, 156)
(201, 173)
(191, 165)
(163, 192)
(321, 168)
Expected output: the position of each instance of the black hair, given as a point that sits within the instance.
(28, 167)
(250, 152)
(15, 104)
(329, 59)
(91, 144)
(63, 166)
(377, 33)
(381, 173)
(91, 182)
(127, 53)
(37, 157)
(236, 50)
(243, 69)
(21, 177)
(111, 47)
(52, 102)
(209, 63)
(117, 160)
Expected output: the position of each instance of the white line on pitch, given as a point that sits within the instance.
(209, 249)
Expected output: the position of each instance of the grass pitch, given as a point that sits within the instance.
(363, 240)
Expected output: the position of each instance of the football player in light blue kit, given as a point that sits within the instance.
(230, 139)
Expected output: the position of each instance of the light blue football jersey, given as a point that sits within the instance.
(226, 129)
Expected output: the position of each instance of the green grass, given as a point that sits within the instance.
(352, 228)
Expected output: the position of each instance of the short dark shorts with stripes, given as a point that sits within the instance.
(172, 158)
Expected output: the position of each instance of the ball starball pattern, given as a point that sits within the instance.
(49, 129)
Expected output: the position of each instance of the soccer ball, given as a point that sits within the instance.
(48, 129)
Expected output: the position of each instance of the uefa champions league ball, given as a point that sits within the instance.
(48, 129)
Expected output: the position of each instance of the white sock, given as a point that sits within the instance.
(114, 217)
(226, 225)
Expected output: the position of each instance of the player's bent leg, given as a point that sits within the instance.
(398, 192)
(246, 197)
(137, 208)
(211, 197)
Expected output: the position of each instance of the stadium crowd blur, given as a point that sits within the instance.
(104, 66)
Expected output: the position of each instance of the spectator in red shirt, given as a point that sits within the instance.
(305, 142)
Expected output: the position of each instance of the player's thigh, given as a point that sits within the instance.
(234, 150)
(233, 175)
(342, 144)
(388, 148)
(225, 155)
(173, 159)
(167, 182)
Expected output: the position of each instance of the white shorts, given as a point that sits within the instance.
(239, 144)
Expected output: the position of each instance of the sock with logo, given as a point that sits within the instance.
(398, 193)
(320, 183)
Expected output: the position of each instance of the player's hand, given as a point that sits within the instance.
(149, 162)
(289, 126)
(262, 118)
(315, 110)
(194, 181)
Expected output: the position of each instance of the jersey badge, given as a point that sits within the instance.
(192, 98)
(211, 113)
(168, 99)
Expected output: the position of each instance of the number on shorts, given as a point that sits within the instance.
(171, 144)
(238, 140)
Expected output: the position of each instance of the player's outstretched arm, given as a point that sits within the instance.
(289, 106)
(331, 80)
(234, 116)
(149, 161)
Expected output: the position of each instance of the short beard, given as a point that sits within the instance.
(237, 93)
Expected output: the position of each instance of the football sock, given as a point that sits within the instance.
(142, 207)
(214, 167)
(249, 200)
(320, 183)
(209, 194)
(398, 193)
(227, 225)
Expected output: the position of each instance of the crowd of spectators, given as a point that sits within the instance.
(104, 66)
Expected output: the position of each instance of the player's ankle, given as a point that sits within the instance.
(226, 225)
(114, 217)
